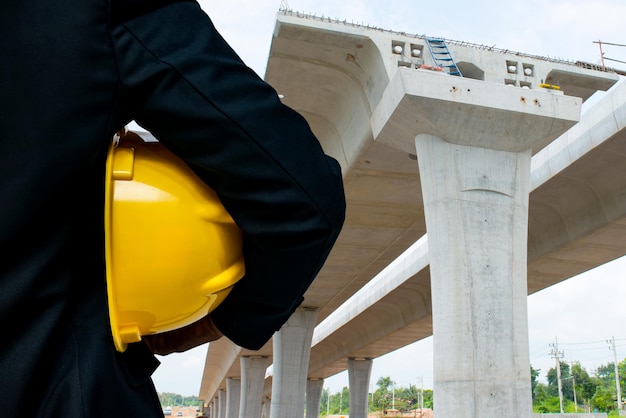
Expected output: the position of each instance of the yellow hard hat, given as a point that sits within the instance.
(173, 253)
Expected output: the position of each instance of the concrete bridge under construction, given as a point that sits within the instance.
(466, 192)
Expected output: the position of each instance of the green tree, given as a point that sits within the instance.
(534, 374)
(344, 401)
(546, 397)
(384, 383)
(339, 403)
(542, 398)
(603, 399)
(566, 382)
(382, 395)
(329, 403)
(428, 399)
(585, 384)
(549, 405)
(408, 397)
(176, 399)
(622, 374)
(606, 373)
(324, 401)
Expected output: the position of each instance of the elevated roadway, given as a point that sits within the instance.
(336, 74)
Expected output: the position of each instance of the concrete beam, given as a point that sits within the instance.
(223, 353)
(470, 112)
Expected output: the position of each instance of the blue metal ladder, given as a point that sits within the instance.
(441, 55)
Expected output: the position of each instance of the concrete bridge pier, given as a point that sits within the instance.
(233, 396)
(221, 409)
(252, 378)
(267, 403)
(359, 371)
(292, 350)
(314, 388)
(474, 142)
(476, 204)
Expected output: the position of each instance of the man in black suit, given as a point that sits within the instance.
(73, 73)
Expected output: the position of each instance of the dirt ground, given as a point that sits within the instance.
(188, 411)
(426, 413)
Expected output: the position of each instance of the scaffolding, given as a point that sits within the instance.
(602, 57)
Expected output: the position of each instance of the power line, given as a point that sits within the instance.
(591, 342)
(586, 349)
(585, 342)
(600, 344)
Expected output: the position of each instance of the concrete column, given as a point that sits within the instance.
(215, 407)
(474, 141)
(292, 349)
(314, 389)
(359, 371)
(267, 402)
(233, 392)
(221, 410)
(252, 378)
(476, 206)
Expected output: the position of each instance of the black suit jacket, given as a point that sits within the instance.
(73, 73)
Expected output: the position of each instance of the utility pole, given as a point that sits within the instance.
(574, 385)
(340, 401)
(327, 401)
(611, 343)
(421, 396)
(558, 355)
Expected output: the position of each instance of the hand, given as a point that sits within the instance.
(183, 339)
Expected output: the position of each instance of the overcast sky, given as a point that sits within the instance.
(581, 313)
